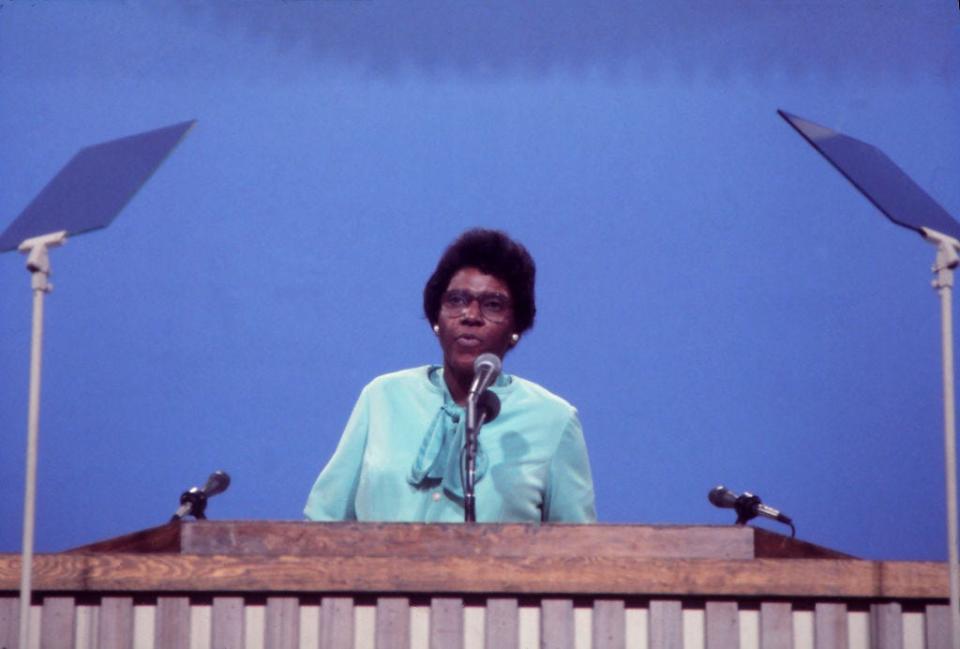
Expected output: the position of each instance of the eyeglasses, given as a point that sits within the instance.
(495, 307)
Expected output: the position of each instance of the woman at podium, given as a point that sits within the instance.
(399, 458)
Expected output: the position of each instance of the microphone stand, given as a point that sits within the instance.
(470, 446)
(948, 259)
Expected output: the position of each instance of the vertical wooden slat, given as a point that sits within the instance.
(886, 626)
(58, 623)
(227, 623)
(393, 623)
(309, 624)
(87, 622)
(419, 626)
(858, 629)
(913, 633)
(172, 623)
(556, 624)
(200, 627)
(254, 617)
(9, 622)
(115, 626)
(144, 625)
(609, 624)
(776, 625)
(666, 624)
(936, 626)
(502, 625)
(446, 623)
(336, 622)
(722, 625)
(637, 632)
(830, 626)
(281, 626)
(474, 619)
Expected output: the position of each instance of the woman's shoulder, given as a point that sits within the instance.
(414, 377)
(543, 398)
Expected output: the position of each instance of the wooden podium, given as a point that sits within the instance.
(286, 585)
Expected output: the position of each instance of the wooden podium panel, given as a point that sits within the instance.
(275, 538)
(251, 584)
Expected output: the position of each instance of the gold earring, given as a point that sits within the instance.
(436, 329)
(515, 338)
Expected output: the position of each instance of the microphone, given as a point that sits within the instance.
(486, 369)
(722, 497)
(747, 505)
(193, 502)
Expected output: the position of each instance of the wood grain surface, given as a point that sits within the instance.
(596, 574)
(276, 538)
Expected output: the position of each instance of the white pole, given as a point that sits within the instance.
(38, 263)
(950, 448)
(30, 488)
(947, 260)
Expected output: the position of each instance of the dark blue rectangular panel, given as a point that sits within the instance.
(877, 177)
(94, 186)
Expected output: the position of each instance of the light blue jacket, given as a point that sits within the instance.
(398, 459)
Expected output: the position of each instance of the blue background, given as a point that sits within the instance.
(720, 304)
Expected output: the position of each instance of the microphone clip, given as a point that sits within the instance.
(193, 502)
(747, 507)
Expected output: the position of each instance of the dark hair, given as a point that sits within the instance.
(493, 253)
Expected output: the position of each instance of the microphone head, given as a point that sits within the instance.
(216, 483)
(487, 362)
(720, 496)
(489, 404)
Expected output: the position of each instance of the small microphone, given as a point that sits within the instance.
(720, 496)
(486, 369)
(193, 502)
(747, 505)
(217, 483)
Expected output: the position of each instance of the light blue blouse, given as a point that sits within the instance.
(398, 459)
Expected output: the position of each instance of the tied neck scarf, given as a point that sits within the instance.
(439, 456)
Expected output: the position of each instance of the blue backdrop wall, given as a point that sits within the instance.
(717, 301)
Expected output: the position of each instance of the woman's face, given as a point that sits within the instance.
(480, 326)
